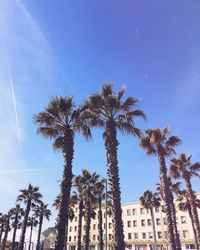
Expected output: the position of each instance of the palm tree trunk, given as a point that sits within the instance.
(166, 197)
(193, 210)
(100, 218)
(30, 238)
(111, 145)
(14, 231)
(80, 216)
(173, 212)
(192, 221)
(39, 232)
(23, 233)
(65, 187)
(87, 226)
(5, 235)
(154, 228)
(1, 231)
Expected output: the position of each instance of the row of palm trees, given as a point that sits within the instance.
(31, 215)
(61, 120)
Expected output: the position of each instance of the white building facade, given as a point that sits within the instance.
(138, 229)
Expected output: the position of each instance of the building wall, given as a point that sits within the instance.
(138, 229)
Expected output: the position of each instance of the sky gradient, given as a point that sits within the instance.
(71, 48)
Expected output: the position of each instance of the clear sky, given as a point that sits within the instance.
(70, 48)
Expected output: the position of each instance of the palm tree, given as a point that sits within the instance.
(99, 193)
(89, 180)
(2, 222)
(32, 222)
(159, 142)
(41, 211)
(30, 197)
(18, 212)
(150, 200)
(59, 121)
(184, 205)
(107, 110)
(7, 228)
(183, 167)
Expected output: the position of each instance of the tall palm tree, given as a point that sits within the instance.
(41, 211)
(151, 200)
(159, 142)
(89, 181)
(183, 167)
(99, 194)
(59, 121)
(2, 223)
(7, 228)
(108, 111)
(18, 212)
(30, 197)
(184, 205)
(31, 222)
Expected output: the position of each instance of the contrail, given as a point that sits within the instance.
(24, 170)
(13, 94)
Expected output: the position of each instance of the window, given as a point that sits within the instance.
(109, 225)
(134, 223)
(142, 223)
(159, 235)
(190, 246)
(166, 234)
(94, 237)
(75, 228)
(185, 234)
(76, 219)
(135, 235)
(128, 223)
(104, 225)
(150, 235)
(70, 238)
(74, 238)
(129, 246)
(128, 212)
(141, 210)
(158, 222)
(129, 236)
(149, 222)
(163, 209)
(183, 219)
(94, 226)
(110, 236)
(133, 211)
(143, 235)
(148, 210)
(164, 221)
(157, 209)
(70, 229)
(76, 209)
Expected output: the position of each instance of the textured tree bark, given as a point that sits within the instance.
(154, 228)
(165, 191)
(66, 184)
(39, 232)
(22, 237)
(14, 231)
(111, 145)
(100, 218)
(193, 210)
(173, 212)
(5, 235)
(80, 216)
(30, 238)
(87, 225)
(192, 221)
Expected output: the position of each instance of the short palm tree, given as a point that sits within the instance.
(41, 211)
(159, 142)
(183, 167)
(151, 200)
(30, 197)
(59, 121)
(108, 111)
(18, 213)
(32, 222)
(184, 205)
(99, 194)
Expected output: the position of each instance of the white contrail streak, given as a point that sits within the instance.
(24, 170)
(13, 95)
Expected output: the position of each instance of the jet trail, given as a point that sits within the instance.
(13, 94)
(24, 170)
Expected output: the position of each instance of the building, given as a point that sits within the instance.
(138, 229)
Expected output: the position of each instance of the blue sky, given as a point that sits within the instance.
(71, 48)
